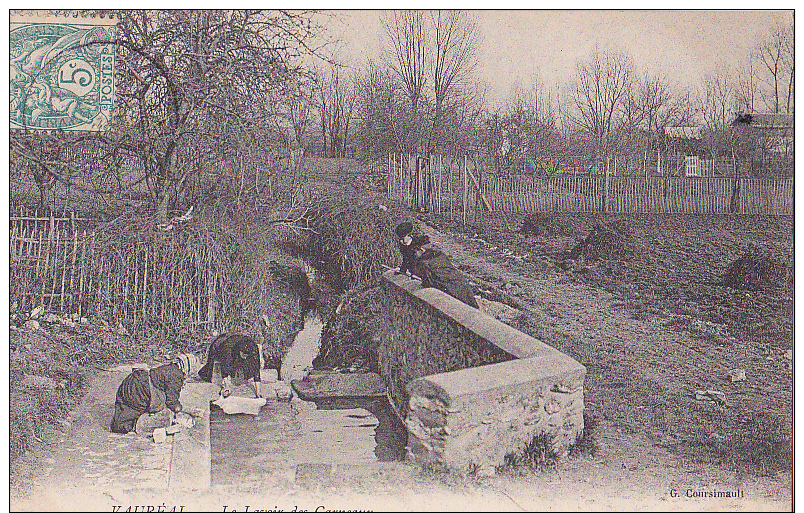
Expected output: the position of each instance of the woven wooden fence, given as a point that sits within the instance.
(441, 184)
(628, 194)
(57, 263)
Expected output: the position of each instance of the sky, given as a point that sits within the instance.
(522, 45)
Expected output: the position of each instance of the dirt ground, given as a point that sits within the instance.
(654, 328)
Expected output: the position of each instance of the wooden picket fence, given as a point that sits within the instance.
(48, 257)
(58, 263)
(441, 184)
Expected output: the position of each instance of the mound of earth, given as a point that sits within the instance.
(609, 240)
(544, 224)
(535, 224)
(759, 269)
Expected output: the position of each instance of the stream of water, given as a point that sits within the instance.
(343, 430)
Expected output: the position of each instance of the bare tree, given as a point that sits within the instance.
(462, 115)
(650, 103)
(408, 55)
(432, 55)
(775, 55)
(198, 85)
(649, 108)
(336, 95)
(206, 78)
(789, 63)
(746, 84)
(300, 107)
(524, 127)
(718, 108)
(381, 123)
(455, 40)
(718, 102)
(600, 93)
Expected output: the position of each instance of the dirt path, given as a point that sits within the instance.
(87, 462)
(94, 469)
(641, 374)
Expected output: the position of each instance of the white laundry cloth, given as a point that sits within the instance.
(234, 404)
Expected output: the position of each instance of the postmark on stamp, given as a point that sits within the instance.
(61, 73)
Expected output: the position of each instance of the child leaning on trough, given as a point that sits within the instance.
(238, 357)
(424, 260)
(149, 399)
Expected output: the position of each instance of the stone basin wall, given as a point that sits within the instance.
(471, 388)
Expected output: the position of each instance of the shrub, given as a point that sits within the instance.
(759, 269)
(536, 455)
(606, 241)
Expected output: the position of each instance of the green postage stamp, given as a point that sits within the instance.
(62, 71)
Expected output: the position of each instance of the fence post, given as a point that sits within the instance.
(431, 167)
(257, 173)
(606, 187)
(440, 180)
(479, 195)
(411, 184)
(464, 193)
(404, 181)
(46, 266)
(414, 168)
(72, 263)
(399, 170)
(449, 187)
(135, 296)
(659, 161)
(421, 201)
(406, 178)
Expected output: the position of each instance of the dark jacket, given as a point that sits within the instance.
(435, 269)
(226, 349)
(146, 392)
(409, 252)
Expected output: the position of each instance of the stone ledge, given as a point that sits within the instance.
(190, 460)
(473, 417)
(332, 385)
(563, 372)
(483, 325)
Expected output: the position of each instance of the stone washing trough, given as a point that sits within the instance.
(470, 388)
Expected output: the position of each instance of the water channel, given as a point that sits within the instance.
(333, 431)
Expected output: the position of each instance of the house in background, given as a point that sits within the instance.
(684, 153)
(766, 143)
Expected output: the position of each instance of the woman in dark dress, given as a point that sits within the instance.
(426, 261)
(238, 357)
(148, 392)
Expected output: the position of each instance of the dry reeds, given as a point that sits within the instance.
(353, 236)
(200, 276)
(349, 340)
(172, 281)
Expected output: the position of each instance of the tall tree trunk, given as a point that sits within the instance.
(164, 184)
(734, 202)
